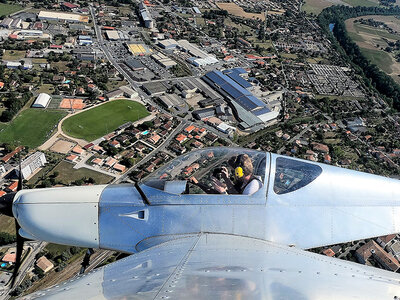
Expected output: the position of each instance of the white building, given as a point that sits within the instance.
(112, 35)
(146, 16)
(128, 92)
(42, 101)
(199, 57)
(32, 163)
(60, 16)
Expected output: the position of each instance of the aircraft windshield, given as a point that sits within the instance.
(209, 171)
(291, 175)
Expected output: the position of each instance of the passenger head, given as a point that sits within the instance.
(243, 166)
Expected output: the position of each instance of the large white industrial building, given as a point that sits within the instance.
(59, 16)
(42, 101)
(32, 163)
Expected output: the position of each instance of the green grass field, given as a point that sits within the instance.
(94, 123)
(46, 88)
(13, 54)
(379, 58)
(68, 174)
(31, 127)
(6, 9)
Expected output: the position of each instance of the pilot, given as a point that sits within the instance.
(245, 182)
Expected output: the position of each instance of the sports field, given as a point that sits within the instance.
(6, 9)
(94, 123)
(32, 127)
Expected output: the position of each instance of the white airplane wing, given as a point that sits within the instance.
(217, 266)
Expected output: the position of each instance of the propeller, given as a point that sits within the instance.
(20, 239)
(86, 260)
(6, 203)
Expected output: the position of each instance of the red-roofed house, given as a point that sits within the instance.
(190, 128)
(2, 193)
(155, 138)
(12, 187)
(70, 5)
(119, 167)
(320, 147)
(1, 85)
(44, 264)
(10, 155)
(98, 149)
(78, 150)
(115, 144)
(150, 168)
(72, 157)
(97, 161)
(88, 146)
(10, 257)
(110, 161)
(181, 138)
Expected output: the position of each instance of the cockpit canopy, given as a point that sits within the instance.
(195, 172)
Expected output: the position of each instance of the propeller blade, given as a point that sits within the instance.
(86, 260)
(20, 173)
(20, 248)
(20, 239)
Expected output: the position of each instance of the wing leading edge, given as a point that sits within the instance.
(215, 266)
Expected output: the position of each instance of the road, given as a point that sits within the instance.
(297, 136)
(161, 147)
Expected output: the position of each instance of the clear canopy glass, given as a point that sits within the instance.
(291, 174)
(198, 171)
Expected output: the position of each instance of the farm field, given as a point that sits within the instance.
(372, 41)
(6, 9)
(236, 10)
(31, 127)
(67, 174)
(94, 123)
(316, 6)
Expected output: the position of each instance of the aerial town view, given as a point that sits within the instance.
(94, 93)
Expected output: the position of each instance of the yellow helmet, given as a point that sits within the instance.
(239, 172)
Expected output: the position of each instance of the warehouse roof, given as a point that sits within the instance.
(62, 16)
(112, 35)
(250, 109)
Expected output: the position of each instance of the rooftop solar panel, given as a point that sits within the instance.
(233, 92)
(216, 78)
(256, 101)
(245, 103)
(236, 77)
(262, 111)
